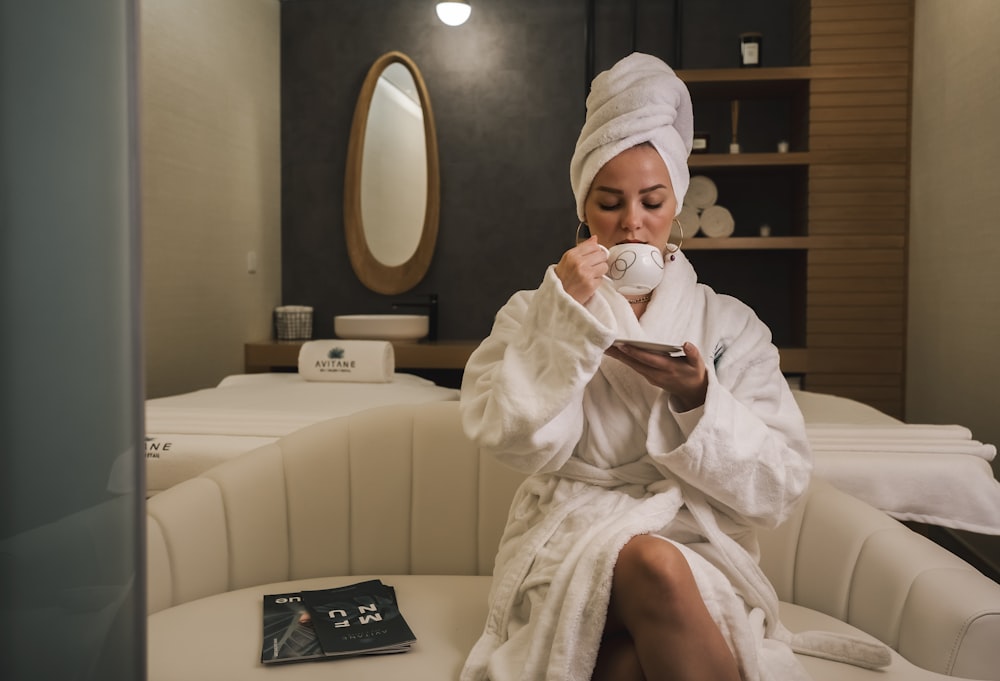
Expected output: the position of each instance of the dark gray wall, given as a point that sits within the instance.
(508, 90)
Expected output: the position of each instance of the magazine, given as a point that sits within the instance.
(289, 635)
(358, 619)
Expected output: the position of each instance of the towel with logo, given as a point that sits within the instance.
(357, 361)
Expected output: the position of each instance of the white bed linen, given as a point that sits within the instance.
(934, 474)
(189, 433)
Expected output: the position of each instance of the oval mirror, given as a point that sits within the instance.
(391, 185)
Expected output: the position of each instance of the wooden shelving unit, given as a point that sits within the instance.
(846, 234)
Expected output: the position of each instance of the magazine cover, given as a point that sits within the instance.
(289, 635)
(359, 619)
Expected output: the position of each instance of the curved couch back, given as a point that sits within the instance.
(391, 490)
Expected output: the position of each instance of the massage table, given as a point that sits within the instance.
(934, 475)
(922, 473)
(189, 433)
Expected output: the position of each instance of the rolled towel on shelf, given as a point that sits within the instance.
(717, 222)
(358, 361)
(690, 220)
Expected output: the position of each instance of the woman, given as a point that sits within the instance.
(629, 551)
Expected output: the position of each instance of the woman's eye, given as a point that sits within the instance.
(653, 206)
(604, 206)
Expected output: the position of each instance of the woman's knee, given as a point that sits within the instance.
(651, 568)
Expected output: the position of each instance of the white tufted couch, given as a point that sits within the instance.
(399, 493)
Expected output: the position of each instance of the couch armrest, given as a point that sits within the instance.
(225, 529)
(855, 563)
(953, 602)
(391, 490)
(186, 544)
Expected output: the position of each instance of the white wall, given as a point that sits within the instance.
(953, 362)
(211, 185)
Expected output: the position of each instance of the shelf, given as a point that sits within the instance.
(756, 83)
(750, 160)
(786, 76)
(794, 158)
(747, 75)
(746, 243)
(777, 243)
(270, 355)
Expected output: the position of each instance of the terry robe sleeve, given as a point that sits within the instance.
(522, 390)
(748, 451)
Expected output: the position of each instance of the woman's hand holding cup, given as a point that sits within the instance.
(632, 269)
(582, 269)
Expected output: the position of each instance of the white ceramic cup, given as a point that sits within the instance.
(634, 269)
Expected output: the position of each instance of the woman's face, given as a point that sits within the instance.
(632, 199)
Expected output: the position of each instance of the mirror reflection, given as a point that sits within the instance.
(391, 191)
(394, 168)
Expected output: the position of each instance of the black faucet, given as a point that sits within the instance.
(431, 305)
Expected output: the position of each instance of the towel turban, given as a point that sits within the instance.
(639, 99)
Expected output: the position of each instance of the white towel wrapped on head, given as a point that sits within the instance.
(359, 361)
(640, 99)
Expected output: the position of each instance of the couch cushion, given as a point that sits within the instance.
(218, 638)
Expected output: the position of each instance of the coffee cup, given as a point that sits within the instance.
(634, 269)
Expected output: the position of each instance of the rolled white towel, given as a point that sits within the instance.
(358, 361)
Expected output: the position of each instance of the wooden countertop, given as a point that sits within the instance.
(269, 355)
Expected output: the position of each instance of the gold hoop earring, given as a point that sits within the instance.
(582, 224)
(677, 246)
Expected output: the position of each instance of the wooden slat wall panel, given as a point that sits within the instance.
(860, 115)
(883, 84)
(858, 41)
(856, 11)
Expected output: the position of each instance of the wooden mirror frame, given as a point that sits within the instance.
(378, 277)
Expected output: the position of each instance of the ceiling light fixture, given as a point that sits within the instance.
(454, 13)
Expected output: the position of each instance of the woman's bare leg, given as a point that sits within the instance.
(657, 613)
(617, 659)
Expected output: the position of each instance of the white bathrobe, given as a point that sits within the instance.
(611, 459)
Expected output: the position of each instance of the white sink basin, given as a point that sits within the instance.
(381, 326)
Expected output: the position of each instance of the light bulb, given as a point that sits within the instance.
(453, 13)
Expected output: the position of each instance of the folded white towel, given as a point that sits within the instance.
(956, 491)
(905, 437)
(639, 99)
(923, 431)
(966, 447)
(360, 361)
